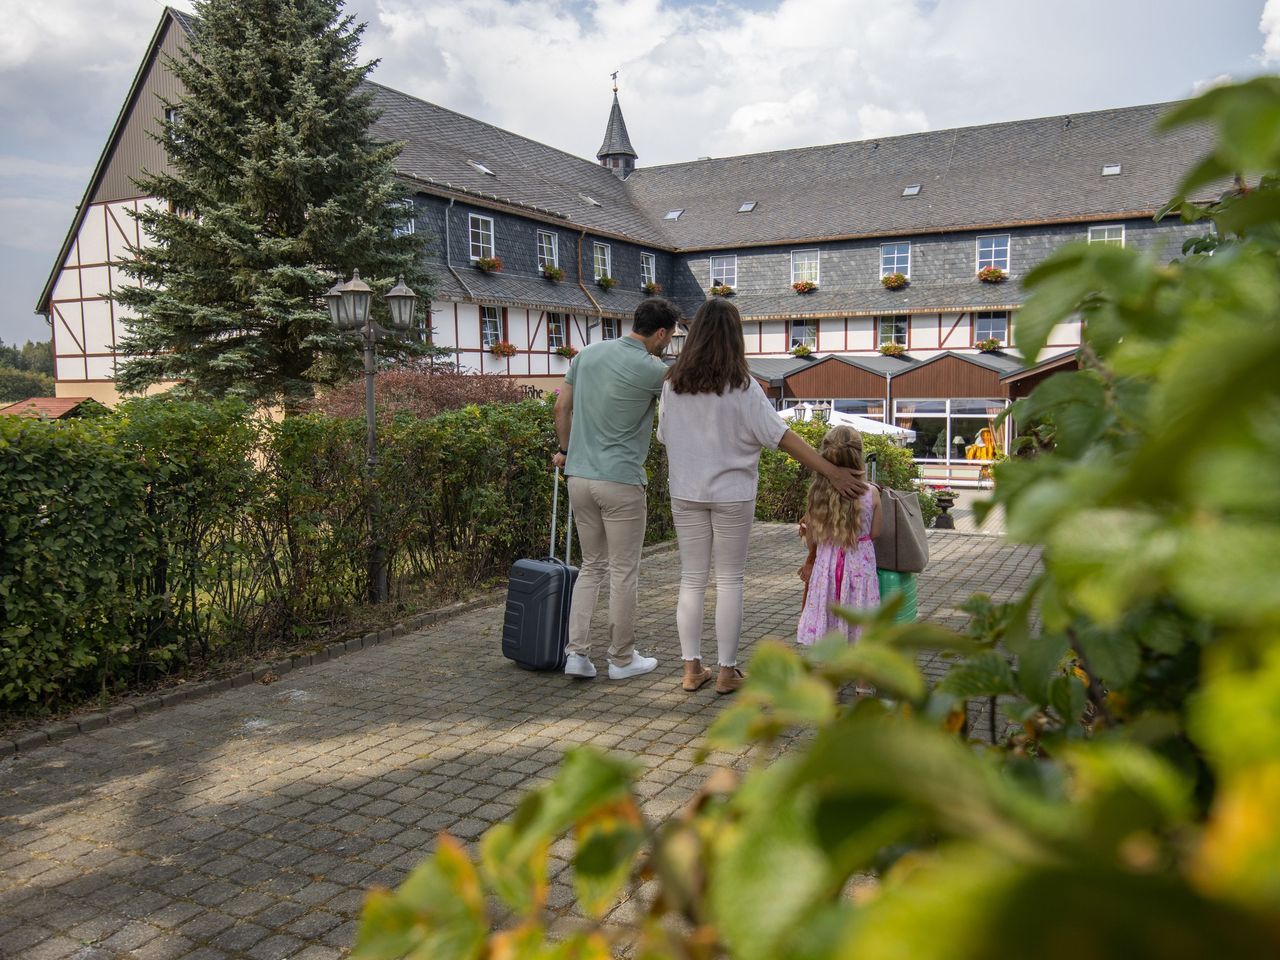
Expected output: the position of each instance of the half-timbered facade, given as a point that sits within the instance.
(581, 242)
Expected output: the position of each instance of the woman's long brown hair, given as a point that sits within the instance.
(714, 356)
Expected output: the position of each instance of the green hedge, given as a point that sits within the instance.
(170, 532)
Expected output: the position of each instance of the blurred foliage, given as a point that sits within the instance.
(1129, 806)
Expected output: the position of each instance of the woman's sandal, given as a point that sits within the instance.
(728, 685)
(695, 681)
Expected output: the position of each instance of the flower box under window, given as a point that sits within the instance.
(489, 264)
(892, 349)
(503, 348)
(651, 289)
(992, 275)
(804, 286)
(552, 273)
(606, 282)
(721, 290)
(894, 281)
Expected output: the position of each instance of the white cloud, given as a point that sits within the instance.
(43, 224)
(1269, 24)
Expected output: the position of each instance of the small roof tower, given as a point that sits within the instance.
(616, 152)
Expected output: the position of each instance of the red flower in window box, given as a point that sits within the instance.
(567, 351)
(894, 281)
(804, 286)
(489, 264)
(992, 275)
(503, 348)
(989, 345)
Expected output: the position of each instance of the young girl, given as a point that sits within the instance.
(841, 568)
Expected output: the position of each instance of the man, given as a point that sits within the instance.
(604, 419)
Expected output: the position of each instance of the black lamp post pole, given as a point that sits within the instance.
(349, 308)
(377, 551)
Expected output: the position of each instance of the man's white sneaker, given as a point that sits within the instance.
(638, 665)
(579, 666)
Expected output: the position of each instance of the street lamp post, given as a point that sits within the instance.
(349, 309)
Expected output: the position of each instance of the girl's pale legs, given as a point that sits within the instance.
(711, 534)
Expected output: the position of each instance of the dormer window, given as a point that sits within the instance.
(481, 168)
(1111, 169)
(673, 214)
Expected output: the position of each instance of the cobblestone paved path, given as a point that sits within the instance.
(249, 824)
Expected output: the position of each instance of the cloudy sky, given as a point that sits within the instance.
(697, 78)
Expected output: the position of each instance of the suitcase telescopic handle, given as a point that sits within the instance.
(555, 512)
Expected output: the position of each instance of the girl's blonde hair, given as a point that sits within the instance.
(831, 517)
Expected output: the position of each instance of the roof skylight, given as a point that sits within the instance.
(481, 167)
(673, 214)
(1111, 169)
(591, 200)
(911, 190)
(747, 207)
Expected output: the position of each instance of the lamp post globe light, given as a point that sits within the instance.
(349, 305)
(822, 411)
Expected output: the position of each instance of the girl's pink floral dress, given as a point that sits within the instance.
(843, 576)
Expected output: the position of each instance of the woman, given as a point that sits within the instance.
(714, 419)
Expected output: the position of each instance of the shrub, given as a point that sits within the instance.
(784, 484)
(422, 394)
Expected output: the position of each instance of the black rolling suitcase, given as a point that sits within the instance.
(535, 628)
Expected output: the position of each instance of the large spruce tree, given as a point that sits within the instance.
(277, 190)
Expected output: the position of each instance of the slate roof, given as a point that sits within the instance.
(535, 293)
(1024, 171)
(616, 140)
(874, 300)
(439, 142)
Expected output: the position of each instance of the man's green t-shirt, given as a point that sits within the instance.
(616, 384)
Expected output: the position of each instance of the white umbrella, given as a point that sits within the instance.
(867, 425)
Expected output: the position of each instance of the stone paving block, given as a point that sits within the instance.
(274, 797)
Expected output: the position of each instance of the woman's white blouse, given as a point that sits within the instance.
(713, 442)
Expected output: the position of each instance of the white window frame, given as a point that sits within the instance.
(889, 262)
(557, 331)
(810, 341)
(490, 315)
(724, 270)
(476, 224)
(608, 328)
(993, 261)
(648, 269)
(549, 252)
(601, 259)
(1098, 233)
(901, 337)
(990, 316)
(406, 227)
(797, 276)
